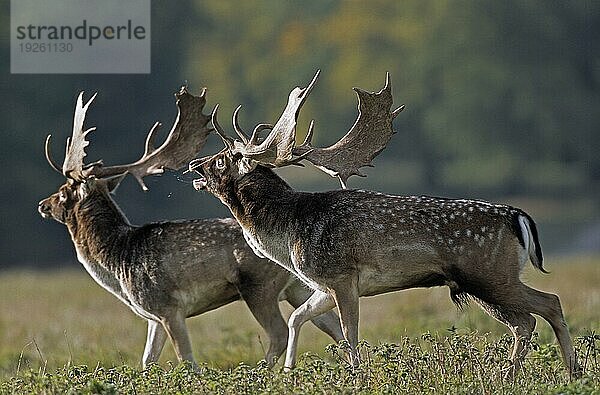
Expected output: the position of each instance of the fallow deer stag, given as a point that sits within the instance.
(154, 269)
(350, 243)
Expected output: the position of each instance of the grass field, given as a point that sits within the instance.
(60, 331)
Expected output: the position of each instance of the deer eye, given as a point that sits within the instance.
(220, 163)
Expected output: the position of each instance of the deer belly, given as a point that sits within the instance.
(400, 267)
(206, 296)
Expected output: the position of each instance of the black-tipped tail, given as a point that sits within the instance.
(528, 234)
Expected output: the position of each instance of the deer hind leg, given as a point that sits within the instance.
(328, 322)
(155, 340)
(346, 298)
(264, 305)
(178, 333)
(548, 306)
(319, 303)
(520, 324)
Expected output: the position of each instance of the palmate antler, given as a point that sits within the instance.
(276, 150)
(364, 141)
(186, 138)
(75, 151)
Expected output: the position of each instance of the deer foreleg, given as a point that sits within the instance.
(178, 333)
(328, 322)
(319, 303)
(264, 305)
(155, 340)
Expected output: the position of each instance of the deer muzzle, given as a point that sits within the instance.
(196, 167)
(44, 209)
(199, 183)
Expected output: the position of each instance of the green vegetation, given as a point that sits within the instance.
(458, 364)
(59, 331)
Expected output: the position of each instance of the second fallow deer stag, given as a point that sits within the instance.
(168, 271)
(350, 243)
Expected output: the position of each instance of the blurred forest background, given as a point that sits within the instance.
(502, 103)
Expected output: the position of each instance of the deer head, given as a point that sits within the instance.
(94, 180)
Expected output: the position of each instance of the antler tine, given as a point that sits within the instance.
(75, 152)
(236, 125)
(387, 81)
(228, 141)
(259, 128)
(186, 138)
(398, 111)
(309, 134)
(364, 141)
(277, 148)
(150, 139)
(48, 156)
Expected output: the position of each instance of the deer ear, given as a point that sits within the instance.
(112, 183)
(246, 165)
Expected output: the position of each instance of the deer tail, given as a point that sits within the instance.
(530, 240)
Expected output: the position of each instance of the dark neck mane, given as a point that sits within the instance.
(99, 229)
(258, 194)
